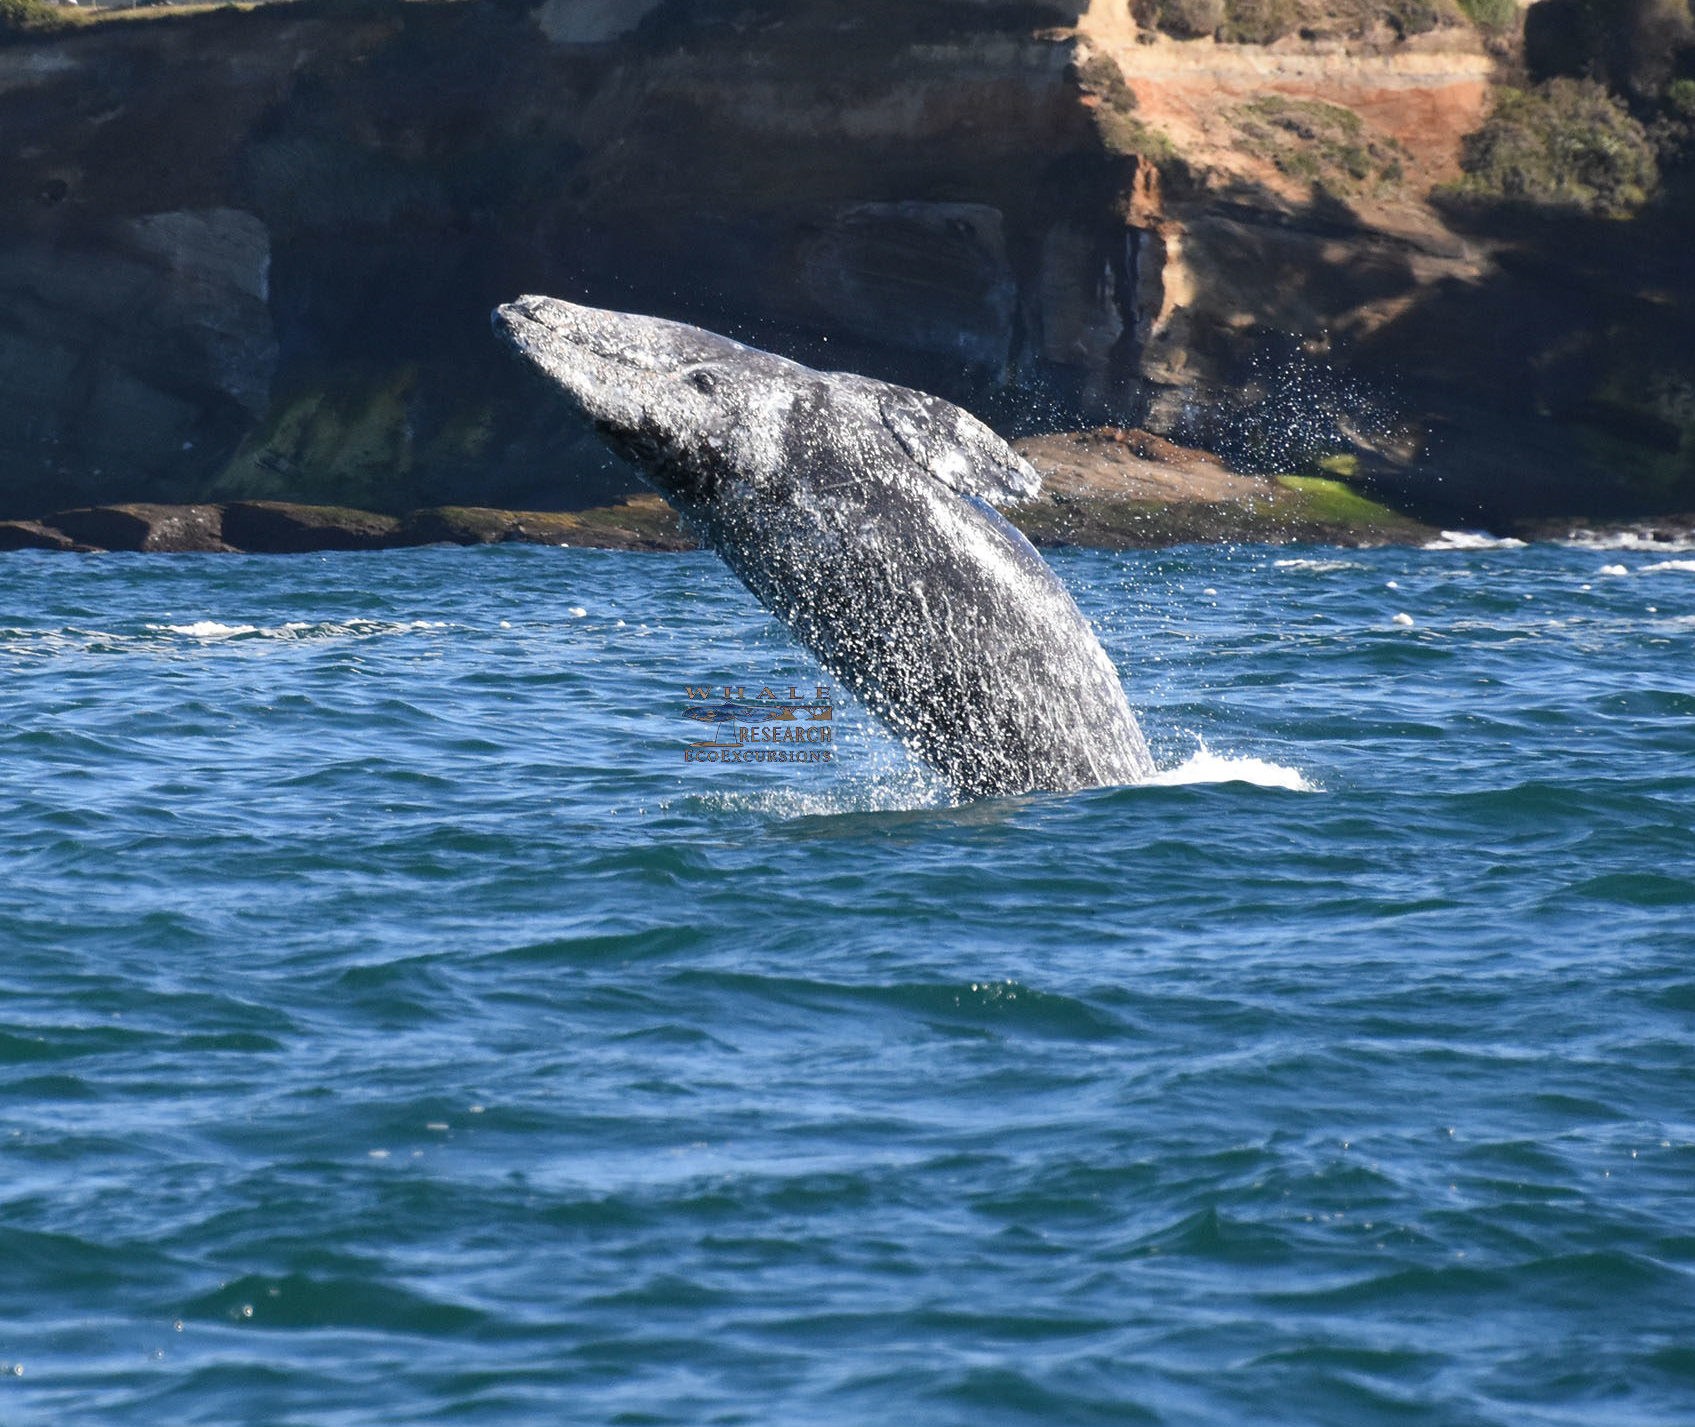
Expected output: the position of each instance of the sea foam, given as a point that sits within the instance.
(1472, 540)
(1205, 766)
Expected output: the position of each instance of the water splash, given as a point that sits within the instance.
(1472, 540)
(1295, 407)
(1317, 567)
(1656, 540)
(1205, 766)
(212, 629)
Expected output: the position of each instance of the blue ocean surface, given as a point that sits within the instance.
(395, 1029)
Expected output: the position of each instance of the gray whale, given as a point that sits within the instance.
(859, 513)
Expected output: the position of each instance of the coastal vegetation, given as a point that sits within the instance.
(35, 17)
(1319, 142)
(1263, 22)
(1114, 109)
(260, 269)
(1568, 143)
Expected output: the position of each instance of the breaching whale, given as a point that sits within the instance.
(859, 514)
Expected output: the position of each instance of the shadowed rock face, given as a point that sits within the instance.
(33, 535)
(145, 527)
(249, 255)
(259, 266)
(857, 512)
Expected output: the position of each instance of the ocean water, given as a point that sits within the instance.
(394, 1029)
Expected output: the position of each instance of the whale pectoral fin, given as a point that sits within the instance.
(954, 446)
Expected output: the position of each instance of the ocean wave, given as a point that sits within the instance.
(1205, 766)
(207, 629)
(895, 790)
(298, 629)
(1317, 567)
(1627, 540)
(1472, 540)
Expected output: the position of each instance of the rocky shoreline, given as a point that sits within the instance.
(1105, 489)
(265, 527)
(260, 268)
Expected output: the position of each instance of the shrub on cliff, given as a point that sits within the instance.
(33, 17)
(1491, 14)
(1261, 22)
(1634, 47)
(1114, 111)
(1673, 129)
(1184, 19)
(1565, 144)
(1258, 22)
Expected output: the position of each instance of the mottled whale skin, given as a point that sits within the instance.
(859, 514)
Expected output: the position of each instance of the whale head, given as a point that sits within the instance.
(728, 433)
(672, 399)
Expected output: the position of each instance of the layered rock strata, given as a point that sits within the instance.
(250, 255)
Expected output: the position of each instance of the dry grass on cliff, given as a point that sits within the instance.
(1262, 22)
(1321, 144)
(34, 17)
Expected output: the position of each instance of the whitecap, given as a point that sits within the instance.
(1685, 565)
(212, 630)
(207, 629)
(1628, 540)
(1318, 567)
(1613, 570)
(1205, 766)
(1472, 540)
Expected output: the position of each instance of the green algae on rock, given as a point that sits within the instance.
(1119, 489)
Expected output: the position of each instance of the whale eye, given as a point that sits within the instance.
(705, 380)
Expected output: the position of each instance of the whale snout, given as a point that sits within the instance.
(529, 322)
(641, 381)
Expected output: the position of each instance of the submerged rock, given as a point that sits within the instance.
(142, 526)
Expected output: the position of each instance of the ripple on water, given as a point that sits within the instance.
(376, 965)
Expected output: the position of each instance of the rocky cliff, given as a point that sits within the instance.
(250, 254)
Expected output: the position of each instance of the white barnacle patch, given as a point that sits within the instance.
(953, 468)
